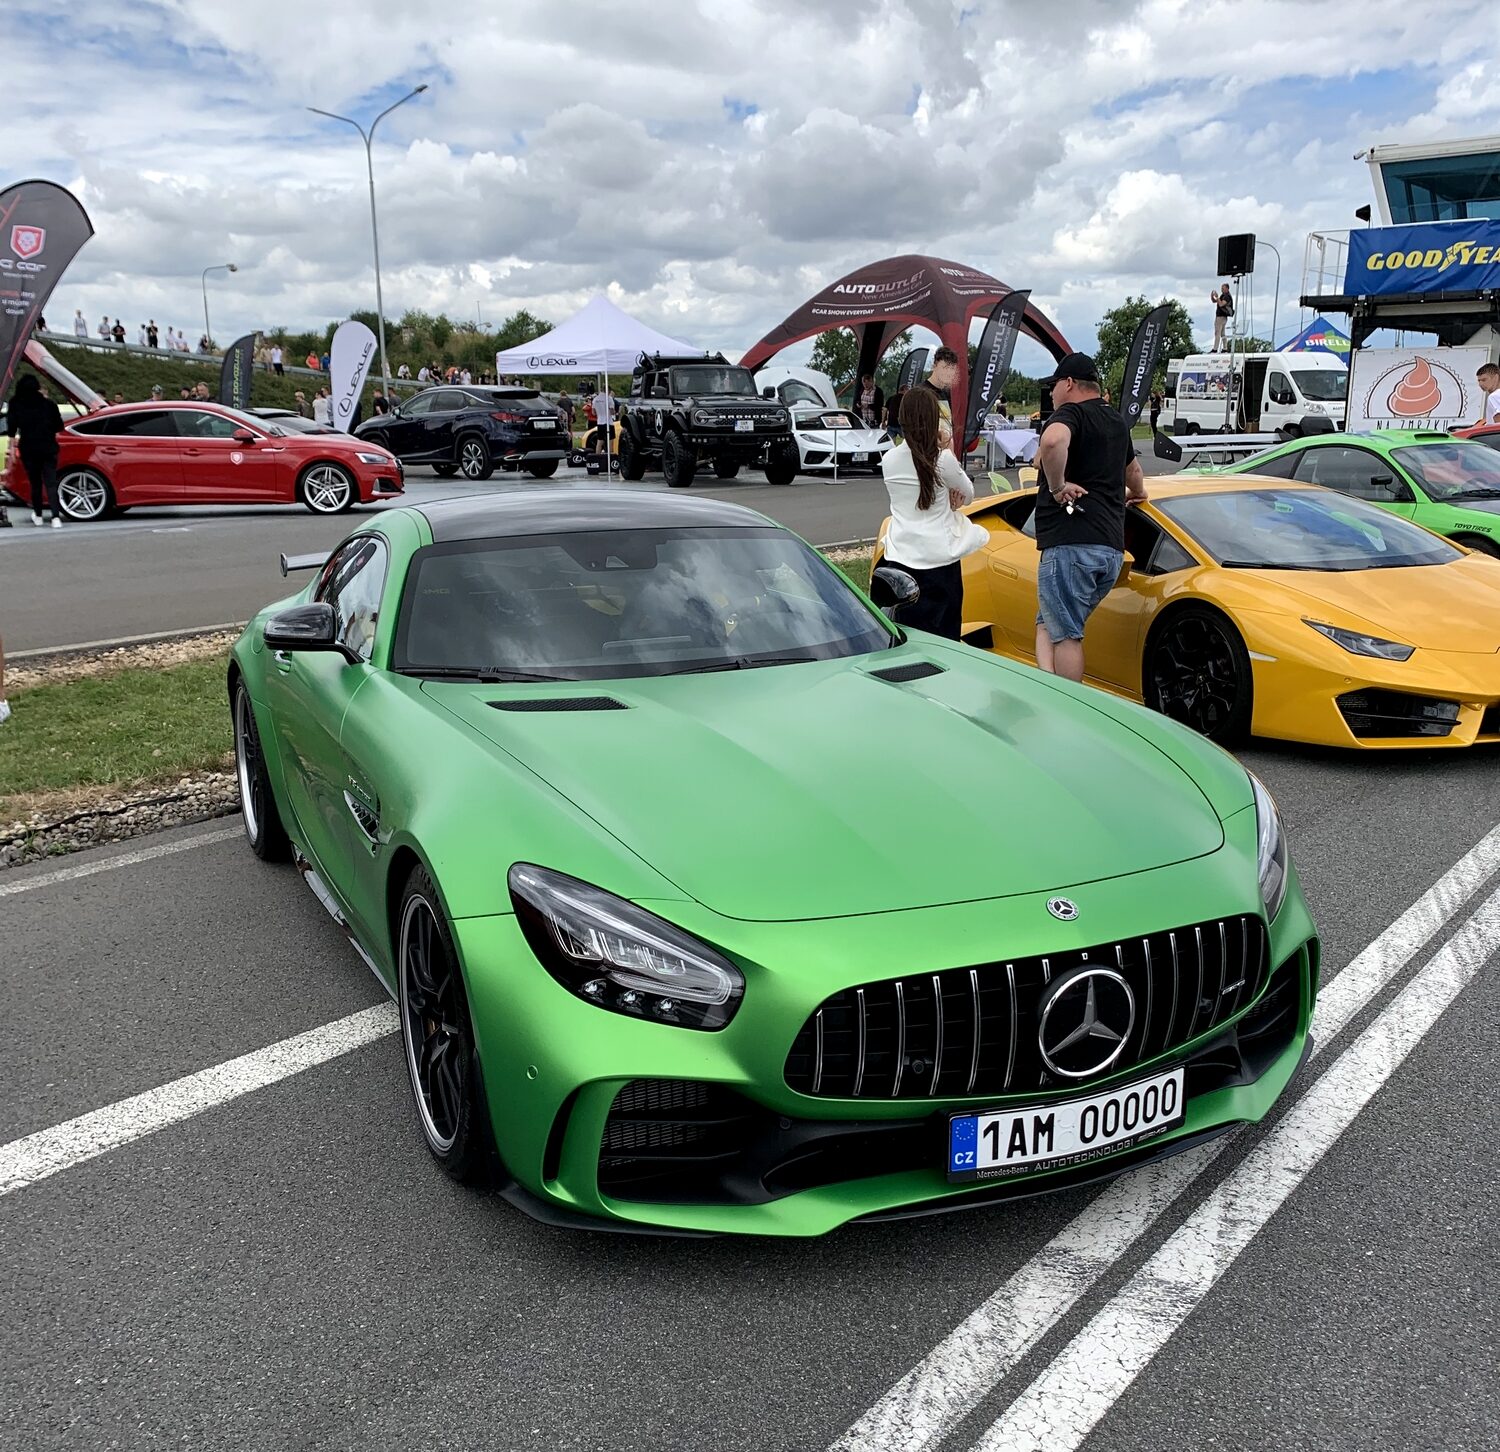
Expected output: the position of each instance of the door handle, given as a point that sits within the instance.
(110, 449)
(1009, 570)
(192, 452)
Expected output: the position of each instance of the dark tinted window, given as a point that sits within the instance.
(1283, 467)
(352, 583)
(1350, 471)
(1454, 471)
(148, 423)
(419, 405)
(447, 400)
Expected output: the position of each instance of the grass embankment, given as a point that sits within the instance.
(69, 742)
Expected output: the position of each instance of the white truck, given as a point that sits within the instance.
(1216, 393)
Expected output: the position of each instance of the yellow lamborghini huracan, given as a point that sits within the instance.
(1264, 607)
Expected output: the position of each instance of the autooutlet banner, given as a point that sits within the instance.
(997, 346)
(42, 226)
(349, 363)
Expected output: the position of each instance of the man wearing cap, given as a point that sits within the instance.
(1088, 473)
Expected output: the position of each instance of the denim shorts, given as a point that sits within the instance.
(1071, 580)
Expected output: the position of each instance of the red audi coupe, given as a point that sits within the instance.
(204, 453)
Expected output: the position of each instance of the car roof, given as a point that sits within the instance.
(574, 511)
(1380, 438)
(1176, 486)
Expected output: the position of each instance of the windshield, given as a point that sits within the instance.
(628, 603)
(1303, 529)
(1324, 385)
(1458, 470)
(709, 379)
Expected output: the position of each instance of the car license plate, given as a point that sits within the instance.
(744, 425)
(544, 423)
(997, 1143)
(861, 458)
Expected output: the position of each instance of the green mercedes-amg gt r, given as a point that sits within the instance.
(712, 901)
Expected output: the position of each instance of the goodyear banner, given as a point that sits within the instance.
(235, 372)
(41, 229)
(1430, 257)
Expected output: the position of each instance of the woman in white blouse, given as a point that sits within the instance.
(927, 536)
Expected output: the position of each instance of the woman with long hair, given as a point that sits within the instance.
(927, 535)
(35, 421)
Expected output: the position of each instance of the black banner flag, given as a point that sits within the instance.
(911, 368)
(42, 226)
(1140, 363)
(997, 346)
(236, 372)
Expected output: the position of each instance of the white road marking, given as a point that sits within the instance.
(47, 1152)
(1059, 1409)
(928, 1402)
(108, 864)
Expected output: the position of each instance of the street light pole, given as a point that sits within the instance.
(208, 332)
(1276, 296)
(368, 138)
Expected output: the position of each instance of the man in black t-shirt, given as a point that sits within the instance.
(1088, 471)
(940, 381)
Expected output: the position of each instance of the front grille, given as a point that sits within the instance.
(671, 1138)
(974, 1030)
(1390, 713)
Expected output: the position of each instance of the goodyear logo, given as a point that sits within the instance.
(1468, 253)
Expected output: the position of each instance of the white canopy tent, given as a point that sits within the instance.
(598, 338)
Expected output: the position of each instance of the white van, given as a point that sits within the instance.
(1256, 392)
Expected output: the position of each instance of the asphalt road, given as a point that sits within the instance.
(288, 1269)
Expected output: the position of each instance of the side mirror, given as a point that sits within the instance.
(768, 392)
(661, 391)
(306, 628)
(1390, 485)
(243, 436)
(891, 588)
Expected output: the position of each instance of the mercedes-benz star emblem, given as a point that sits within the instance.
(1064, 909)
(1085, 1023)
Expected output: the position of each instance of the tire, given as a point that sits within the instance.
(474, 460)
(632, 462)
(445, 471)
(1479, 544)
(544, 470)
(726, 469)
(677, 462)
(327, 488)
(437, 1037)
(84, 495)
(782, 464)
(263, 829)
(1196, 670)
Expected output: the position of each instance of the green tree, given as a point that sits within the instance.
(1252, 344)
(1117, 329)
(836, 353)
(520, 327)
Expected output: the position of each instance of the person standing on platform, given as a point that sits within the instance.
(1223, 311)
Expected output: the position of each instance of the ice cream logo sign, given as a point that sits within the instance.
(1414, 391)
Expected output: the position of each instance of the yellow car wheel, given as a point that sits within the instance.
(1197, 671)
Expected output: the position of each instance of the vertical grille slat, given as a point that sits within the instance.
(936, 1034)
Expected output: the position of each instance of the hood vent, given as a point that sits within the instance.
(561, 703)
(918, 670)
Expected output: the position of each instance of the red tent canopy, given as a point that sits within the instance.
(881, 300)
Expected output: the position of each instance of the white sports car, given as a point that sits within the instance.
(819, 431)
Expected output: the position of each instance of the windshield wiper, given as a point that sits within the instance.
(749, 663)
(485, 676)
(1270, 565)
(1473, 494)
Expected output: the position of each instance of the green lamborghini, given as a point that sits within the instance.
(712, 901)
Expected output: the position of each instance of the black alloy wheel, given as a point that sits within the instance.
(438, 1038)
(632, 463)
(726, 468)
(545, 470)
(678, 464)
(445, 471)
(474, 461)
(782, 463)
(1197, 671)
(263, 829)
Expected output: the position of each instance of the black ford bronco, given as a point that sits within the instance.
(687, 411)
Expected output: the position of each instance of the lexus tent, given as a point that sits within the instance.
(599, 338)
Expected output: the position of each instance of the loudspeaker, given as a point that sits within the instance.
(1237, 254)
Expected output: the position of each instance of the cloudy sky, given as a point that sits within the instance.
(710, 164)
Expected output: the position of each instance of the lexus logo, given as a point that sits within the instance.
(26, 242)
(1086, 1020)
(1064, 909)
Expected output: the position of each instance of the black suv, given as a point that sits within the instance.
(473, 430)
(684, 411)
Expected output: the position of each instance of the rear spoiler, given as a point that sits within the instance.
(303, 562)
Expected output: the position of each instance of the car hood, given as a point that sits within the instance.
(819, 790)
(1453, 607)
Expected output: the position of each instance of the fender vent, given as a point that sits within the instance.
(917, 671)
(561, 703)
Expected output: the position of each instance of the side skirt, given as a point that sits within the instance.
(324, 895)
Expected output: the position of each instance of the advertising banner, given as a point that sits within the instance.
(235, 372)
(1427, 257)
(912, 367)
(1140, 363)
(997, 346)
(1415, 388)
(42, 226)
(1319, 336)
(349, 362)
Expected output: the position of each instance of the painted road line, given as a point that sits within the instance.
(1059, 1409)
(123, 859)
(935, 1395)
(25, 1161)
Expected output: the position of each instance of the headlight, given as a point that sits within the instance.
(779, 416)
(1357, 644)
(376, 459)
(704, 418)
(620, 957)
(1270, 849)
